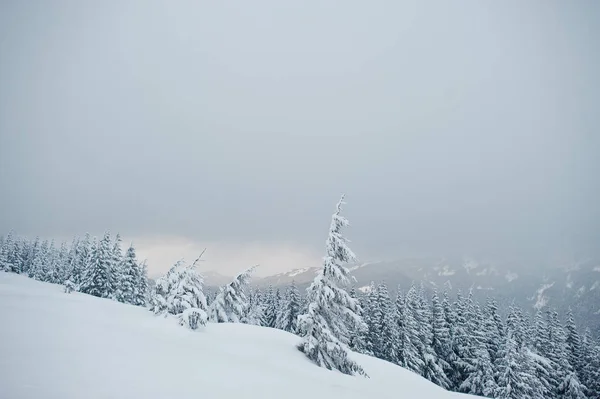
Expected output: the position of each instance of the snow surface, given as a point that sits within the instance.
(71, 346)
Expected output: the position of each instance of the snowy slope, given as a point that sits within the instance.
(71, 346)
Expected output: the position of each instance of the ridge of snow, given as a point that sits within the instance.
(296, 272)
(541, 299)
(98, 348)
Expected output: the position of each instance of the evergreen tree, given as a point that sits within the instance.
(255, 312)
(493, 327)
(291, 309)
(574, 348)
(385, 326)
(408, 353)
(98, 278)
(441, 340)
(126, 291)
(332, 314)
(511, 376)
(142, 292)
(359, 341)
(480, 379)
(270, 308)
(461, 342)
(591, 369)
(230, 304)
(5, 253)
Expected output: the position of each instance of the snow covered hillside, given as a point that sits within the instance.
(72, 346)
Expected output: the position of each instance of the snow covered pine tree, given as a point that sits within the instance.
(230, 304)
(332, 313)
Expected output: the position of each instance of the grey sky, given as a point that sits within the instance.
(464, 126)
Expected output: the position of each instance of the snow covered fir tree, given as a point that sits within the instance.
(445, 336)
(333, 315)
(87, 265)
(180, 293)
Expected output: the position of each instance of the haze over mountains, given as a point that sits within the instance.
(531, 286)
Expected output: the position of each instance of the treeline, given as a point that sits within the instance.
(458, 344)
(92, 266)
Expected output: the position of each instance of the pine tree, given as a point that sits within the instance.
(5, 253)
(431, 369)
(385, 326)
(291, 309)
(493, 327)
(591, 369)
(359, 341)
(441, 340)
(332, 314)
(270, 308)
(230, 304)
(142, 292)
(408, 353)
(116, 272)
(461, 341)
(574, 347)
(511, 376)
(98, 278)
(255, 312)
(126, 291)
(480, 379)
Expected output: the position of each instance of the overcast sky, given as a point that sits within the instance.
(453, 127)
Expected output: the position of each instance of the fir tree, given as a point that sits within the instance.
(591, 368)
(332, 314)
(141, 293)
(255, 312)
(270, 308)
(98, 278)
(386, 328)
(359, 341)
(511, 376)
(408, 353)
(5, 253)
(230, 304)
(126, 291)
(480, 378)
(291, 309)
(441, 341)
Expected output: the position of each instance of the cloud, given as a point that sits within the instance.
(223, 257)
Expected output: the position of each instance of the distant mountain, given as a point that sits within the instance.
(531, 286)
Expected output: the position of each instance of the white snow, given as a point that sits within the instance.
(541, 299)
(296, 272)
(365, 289)
(595, 285)
(71, 346)
(511, 276)
(446, 271)
(569, 282)
(597, 268)
(470, 264)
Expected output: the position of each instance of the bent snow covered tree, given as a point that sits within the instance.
(231, 303)
(332, 313)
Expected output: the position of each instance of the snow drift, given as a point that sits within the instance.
(72, 346)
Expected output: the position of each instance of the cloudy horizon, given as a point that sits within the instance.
(469, 128)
